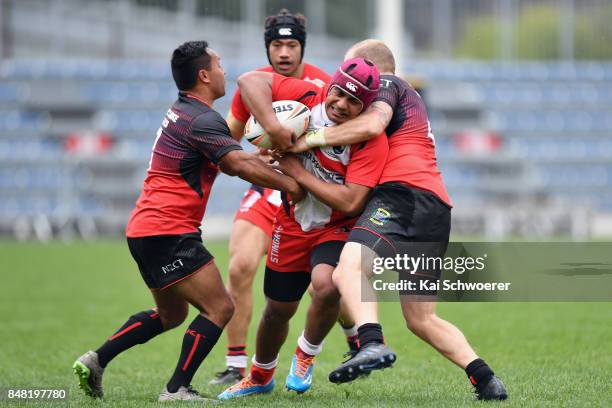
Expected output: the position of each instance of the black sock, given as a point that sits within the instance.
(479, 373)
(200, 338)
(139, 329)
(370, 333)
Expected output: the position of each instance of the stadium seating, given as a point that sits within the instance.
(554, 120)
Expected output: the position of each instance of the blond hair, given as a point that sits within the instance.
(375, 51)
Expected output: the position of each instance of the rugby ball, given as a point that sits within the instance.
(291, 114)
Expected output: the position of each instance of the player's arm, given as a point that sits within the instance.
(362, 174)
(251, 168)
(236, 126)
(211, 136)
(256, 90)
(364, 127)
(237, 116)
(349, 198)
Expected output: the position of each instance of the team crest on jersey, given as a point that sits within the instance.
(339, 149)
(380, 216)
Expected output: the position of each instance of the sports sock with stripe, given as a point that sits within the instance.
(236, 357)
(479, 373)
(200, 337)
(138, 329)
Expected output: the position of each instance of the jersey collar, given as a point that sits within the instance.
(190, 95)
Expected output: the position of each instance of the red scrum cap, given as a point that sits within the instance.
(359, 78)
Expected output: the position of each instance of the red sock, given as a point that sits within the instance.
(301, 353)
(261, 375)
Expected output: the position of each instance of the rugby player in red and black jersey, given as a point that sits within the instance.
(285, 41)
(308, 236)
(163, 232)
(410, 205)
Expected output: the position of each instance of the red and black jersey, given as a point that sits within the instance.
(412, 152)
(190, 142)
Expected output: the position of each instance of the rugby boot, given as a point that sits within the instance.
(300, 374)
(372, 356)
(89, 373)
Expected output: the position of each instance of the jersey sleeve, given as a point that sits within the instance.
(295, 90)
(238, 109)
(367, 161)
(211, 136)
(388, 92)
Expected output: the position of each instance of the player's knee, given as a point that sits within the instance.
(275, 314)
(242, 270)
(326, 292)
(419, 323)
(174, 317)
(339, 275)
(225, 310)
(220, 311)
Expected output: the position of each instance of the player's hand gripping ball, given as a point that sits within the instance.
(291, 114)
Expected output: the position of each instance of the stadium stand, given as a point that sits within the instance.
(76, 137)
(515, 140)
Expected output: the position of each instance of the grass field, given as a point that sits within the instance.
(58, 301)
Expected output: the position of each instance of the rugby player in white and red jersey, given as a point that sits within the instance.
(285, 40)
(163, 233)
(410, 208)
(308, 236)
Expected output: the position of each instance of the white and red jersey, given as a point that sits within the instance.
(361, 163)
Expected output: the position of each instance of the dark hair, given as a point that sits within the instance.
(187, 60)
(285, 25)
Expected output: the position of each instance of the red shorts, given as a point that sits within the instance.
(259, 207)
(291, 248)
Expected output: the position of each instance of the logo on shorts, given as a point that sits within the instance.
(173, 266)
(275, 247)
(380, 216)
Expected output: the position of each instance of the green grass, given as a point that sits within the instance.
(58, 301)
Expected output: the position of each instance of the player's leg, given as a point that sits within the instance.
(422, 320)
(283, 292)
(349, 327)
(248, 244)
(325, 306)
(386, 214)
(321, 317)
(285, 282)
(139, 328)
(271, 335)
(347, 324)
(204, 290)
(351, 278)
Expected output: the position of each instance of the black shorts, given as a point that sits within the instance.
(291, 286)
(164, 260)
(403, 220)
